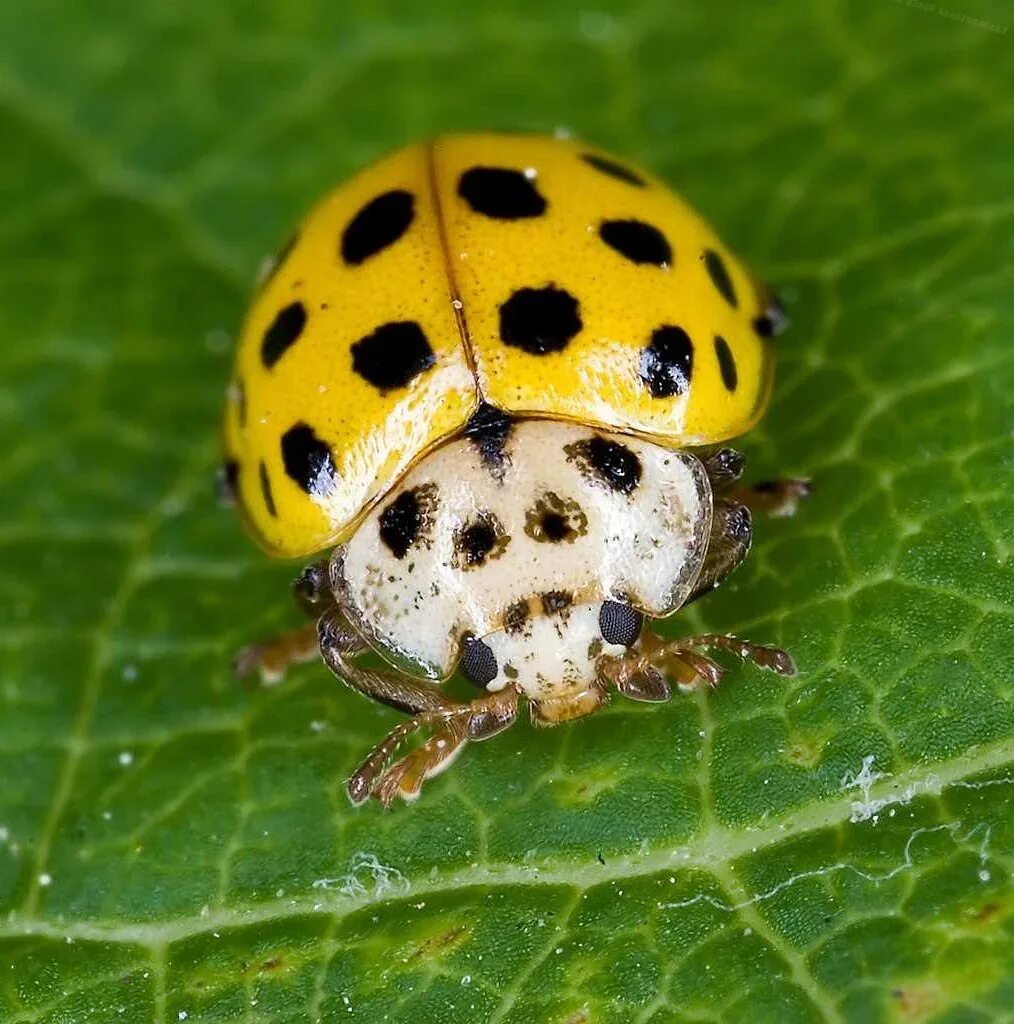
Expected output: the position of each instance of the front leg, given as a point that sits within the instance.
(478, 720)
(778, 498)
(645, 671)
(452, 722)
(272, 657)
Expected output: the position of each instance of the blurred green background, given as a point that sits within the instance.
(832, 848)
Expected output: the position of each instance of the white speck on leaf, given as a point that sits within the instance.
(367, 875)
(868, 807)
(126, 758)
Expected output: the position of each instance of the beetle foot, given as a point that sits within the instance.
(645, 672)
(778, 498)
(273, 657)
(405, 777)
(452, 729)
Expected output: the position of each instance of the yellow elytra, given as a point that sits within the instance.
(536, 275)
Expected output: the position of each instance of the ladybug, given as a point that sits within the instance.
(492, 375)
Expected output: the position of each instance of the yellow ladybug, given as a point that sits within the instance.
(492, 373)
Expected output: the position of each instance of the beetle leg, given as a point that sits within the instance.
(311, 590)
(273, 656)
(397, 690)
(724, 468)
(778, 498)
(452, 728)
(642, 673)
(728, 545)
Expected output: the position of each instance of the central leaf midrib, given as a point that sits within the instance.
(718, 846)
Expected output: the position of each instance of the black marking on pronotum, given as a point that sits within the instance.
(556, 601)
(488, 429)
(515, 618)
(555, 527)
(555, 520)
(609, 462)
(406, 520)
(480, 539)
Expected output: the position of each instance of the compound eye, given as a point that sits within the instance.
(619, 623)
(478, 662)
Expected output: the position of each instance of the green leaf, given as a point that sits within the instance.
(836, 847)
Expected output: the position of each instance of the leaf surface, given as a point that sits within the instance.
(836, 847)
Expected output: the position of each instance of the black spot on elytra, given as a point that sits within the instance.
(269, 498)
(619, 623)
(488, 429)
(405, 521)
(285, 329)
(478, 662)
(637, 241)
(380, 223)
(726, 363)
(227, 482)
(393, 355)
(308, 460)
(501, 192)
(610, 462)
(539, 320)
(667, 362)
(613, 169)
(555, 601)
(719, 274)
(515, 617)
